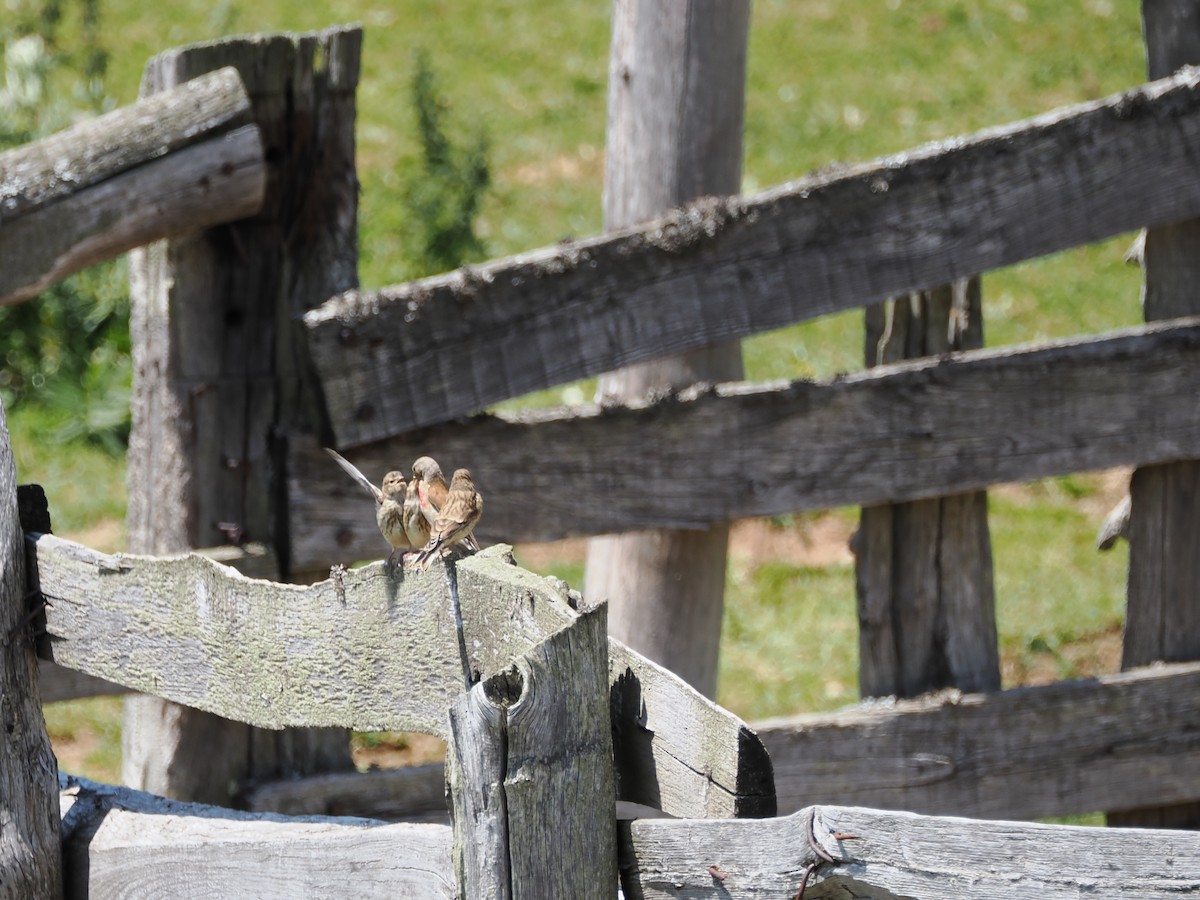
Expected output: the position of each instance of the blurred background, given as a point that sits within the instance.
(481, 134)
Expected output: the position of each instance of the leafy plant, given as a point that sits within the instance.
(443, 193)
(68, 349)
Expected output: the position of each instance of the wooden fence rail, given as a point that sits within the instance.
(916, 429)
(184, 160)
(372, 651)
(426, 352)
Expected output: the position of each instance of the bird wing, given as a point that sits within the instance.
(352, 470)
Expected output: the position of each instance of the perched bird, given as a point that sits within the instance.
(458, 517)
(416, 526)
(432, 490)
(389, 500)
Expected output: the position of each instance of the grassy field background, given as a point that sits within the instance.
(824, 85)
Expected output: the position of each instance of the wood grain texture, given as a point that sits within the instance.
(219, 381)
(903, 432)
(45, 172)
(198, 187)
(923, 569)
(408, 794)
(676, 102)
(1162, 619)
(675, 750)
(30, 857)
(393, 360)
(123, 843)
(900, 855)
(58, 683)
(530, 769)
(1068, 748)
(364, 649)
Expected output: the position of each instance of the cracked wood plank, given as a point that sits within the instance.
(901, 856)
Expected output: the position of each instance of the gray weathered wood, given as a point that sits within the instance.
(364, 649)
(676, 101)
(675, 750)
(1162, 619)
(1073, 747)
(30, 858)
(409, 794)
(916, 429)
(926, 604)
(59, 683)
(530, 769)
(413, 355)
(220, 383)
(195, 187)
(372, 651)
(122, 843)
(678, 751)
(900, 855)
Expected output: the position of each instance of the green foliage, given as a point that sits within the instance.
(68, 349)
(443, 191)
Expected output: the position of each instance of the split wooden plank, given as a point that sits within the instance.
(120, 842)
(530, 772)
(396, 359)
(915, 429)
(178, 162)
(894, 855)
(1073, 747)
(374, 652)
(675, 750)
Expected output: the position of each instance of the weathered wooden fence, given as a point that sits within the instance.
(520, 692)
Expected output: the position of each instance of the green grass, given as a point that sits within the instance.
(824, 84)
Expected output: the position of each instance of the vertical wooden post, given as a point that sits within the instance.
(675, 109)
(30, 852)
(220, 382)
(530, 769)
(926, 604)
(1162, 617)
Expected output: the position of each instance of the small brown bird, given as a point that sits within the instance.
(457, 519)
(389, 501)
(416, 526)
(432, 490)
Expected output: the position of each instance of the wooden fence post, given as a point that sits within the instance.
(926, 605)
(675, 108)
(220, 381)
(1162, 617)
(30, 853)
(530, 769)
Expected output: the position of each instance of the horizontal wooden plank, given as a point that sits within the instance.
(118, 842)
(403, 357)
(895, 855)
(1116, 742)
(410, 794)
(186, 158)
(364, 649)
(57, 683)
(374, 651)
(916, 429)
